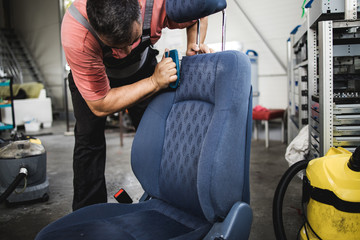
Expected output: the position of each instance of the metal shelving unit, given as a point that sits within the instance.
(325, 50)
(300, 64)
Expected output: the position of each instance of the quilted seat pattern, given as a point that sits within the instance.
(195, 127)
(182, 147)
(186, 128)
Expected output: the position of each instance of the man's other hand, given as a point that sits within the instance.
(193, 49)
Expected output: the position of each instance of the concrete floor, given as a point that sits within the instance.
(267, 166)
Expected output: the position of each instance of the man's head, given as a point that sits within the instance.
(117, 22)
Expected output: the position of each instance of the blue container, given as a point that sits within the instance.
(253, 56)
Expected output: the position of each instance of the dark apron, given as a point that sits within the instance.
(139, 64)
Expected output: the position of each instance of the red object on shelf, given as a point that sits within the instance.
(268, 115)
(264, 114)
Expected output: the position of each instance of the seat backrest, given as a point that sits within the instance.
(192, 146)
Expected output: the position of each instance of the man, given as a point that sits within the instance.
(107, 44)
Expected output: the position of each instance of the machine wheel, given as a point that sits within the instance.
(9, 204)
(45, 197)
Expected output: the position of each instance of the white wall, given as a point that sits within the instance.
(274, 20)
(37, 22)
(172, 39)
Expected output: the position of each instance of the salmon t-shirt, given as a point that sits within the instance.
(84, 54)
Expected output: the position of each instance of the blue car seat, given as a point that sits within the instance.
(191, 155)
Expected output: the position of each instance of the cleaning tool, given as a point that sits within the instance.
(175, 57)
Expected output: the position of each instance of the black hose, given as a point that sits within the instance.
(279, 197)
(354, 162)
(12, 186)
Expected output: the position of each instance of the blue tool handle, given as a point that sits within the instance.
(175, 57)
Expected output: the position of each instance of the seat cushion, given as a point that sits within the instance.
(152, 219)
(173, 153)
(267, 115)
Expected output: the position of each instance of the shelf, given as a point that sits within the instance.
(5, 127)
(5, 105)
(346, 120)
(346, 130)
(302, 64)
(347, 50)
(295, 120)
(5, 84)
(346, 141)
(350, 149)
(346, 108)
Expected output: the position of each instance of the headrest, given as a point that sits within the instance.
(186, 10)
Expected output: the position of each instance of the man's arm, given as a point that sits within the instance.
(126, 96)
(192, 47)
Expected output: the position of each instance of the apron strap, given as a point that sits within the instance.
(147, 20)
(82, 20)
(131, 66)
(146, 26)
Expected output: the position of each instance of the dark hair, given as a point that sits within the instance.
(113, 19)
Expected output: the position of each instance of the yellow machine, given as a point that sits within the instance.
(332, 190)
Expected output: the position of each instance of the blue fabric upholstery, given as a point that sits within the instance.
(190, 153)
(186, 10)
(246, 188)
(148, 220)
(201, 152)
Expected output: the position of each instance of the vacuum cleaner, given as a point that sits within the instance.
(23, 171)
(331, 196)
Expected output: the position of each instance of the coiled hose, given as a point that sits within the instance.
(279, 197)
(22, 174)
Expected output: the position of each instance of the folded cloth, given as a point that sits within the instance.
(259, 108)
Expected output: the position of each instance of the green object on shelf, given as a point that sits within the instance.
(303, 9)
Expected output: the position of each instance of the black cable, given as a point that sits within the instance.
(305, 220)
(13, 185)
(307, 223)
(298, 232)
(306, 232)
(279, 197)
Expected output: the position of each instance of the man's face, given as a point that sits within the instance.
(136, 34)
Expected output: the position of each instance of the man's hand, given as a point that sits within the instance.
(128, 95)
(165, 73)
(193, 48)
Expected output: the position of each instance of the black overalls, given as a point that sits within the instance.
(90, 146)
